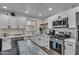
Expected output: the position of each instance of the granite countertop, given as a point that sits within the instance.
(9, 37)
(70, 40)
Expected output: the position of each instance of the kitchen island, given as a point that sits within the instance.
(12, 37)
(10, 42)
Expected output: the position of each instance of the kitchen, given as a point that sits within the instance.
(39, 29)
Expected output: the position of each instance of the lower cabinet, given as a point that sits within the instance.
(42, 41)
(46, 40)
(39, 41)
(77, 50)
(69, 48)
(6, 44)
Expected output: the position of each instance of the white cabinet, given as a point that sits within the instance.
(13, 22)
(69, 47)
(46, 42)
(50, 22)
(6, 44)
(21, 22)
(3, 21)
(42, 41)
(71, 19)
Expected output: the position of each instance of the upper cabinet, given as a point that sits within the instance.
(49, 22)
(21, 22)
(72, 19)
(17, 22)
(3, 21)
(13, 22)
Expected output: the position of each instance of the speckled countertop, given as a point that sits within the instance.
(9, 37)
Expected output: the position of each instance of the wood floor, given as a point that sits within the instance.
(27, 47)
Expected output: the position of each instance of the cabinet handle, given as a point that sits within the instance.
(69, 44)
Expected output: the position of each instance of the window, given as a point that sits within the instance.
(31, 26)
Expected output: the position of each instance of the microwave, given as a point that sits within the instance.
(61, 23)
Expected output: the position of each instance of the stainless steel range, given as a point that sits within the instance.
(57, 41)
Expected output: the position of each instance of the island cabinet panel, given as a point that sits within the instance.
(6, 44)
(42, 41)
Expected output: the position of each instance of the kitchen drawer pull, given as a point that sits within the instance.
(69, 44)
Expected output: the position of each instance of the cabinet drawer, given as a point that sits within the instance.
(70, 44)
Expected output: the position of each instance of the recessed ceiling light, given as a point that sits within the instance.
(40, 15)
(4, 7)
(50, 9)
(26, 12)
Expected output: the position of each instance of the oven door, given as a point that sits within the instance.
(51, 44)
(58, 48)
(0, 45)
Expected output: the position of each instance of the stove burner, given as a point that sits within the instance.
(59, 37)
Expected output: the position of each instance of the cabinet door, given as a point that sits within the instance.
(46, 42)
(41, 41)
(50, 22)
(71, 17)
(13, 22)
(3, 21)
(72, 21)
(21, 22)
(69, 49)
(6, 44)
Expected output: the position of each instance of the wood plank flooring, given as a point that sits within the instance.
(27, 47)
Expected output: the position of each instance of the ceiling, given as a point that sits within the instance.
(37, 8)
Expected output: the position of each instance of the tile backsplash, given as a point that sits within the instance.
(11, 31)
(72, 30)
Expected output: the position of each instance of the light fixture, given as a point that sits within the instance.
(49, 9)
(26, 12)
(4, 7)
(40, 15)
